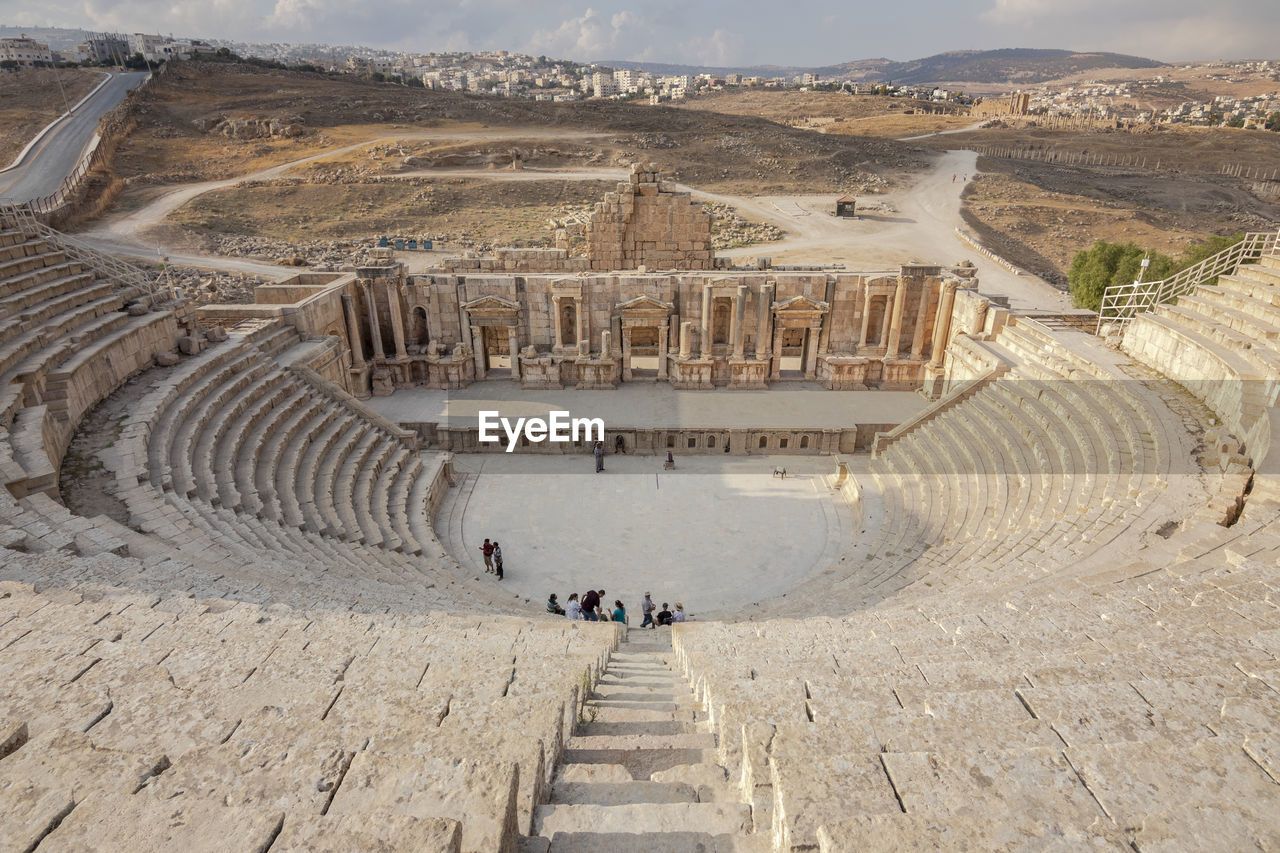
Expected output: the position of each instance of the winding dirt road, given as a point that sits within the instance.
(917, 224)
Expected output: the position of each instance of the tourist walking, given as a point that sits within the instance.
(574, 608)
(487, 550)
(647, 607)
(553, 606)
(497, 559)
(598, 450)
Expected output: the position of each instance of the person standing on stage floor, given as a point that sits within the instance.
(487, 550)
(647, 607)
(591, 606)
(497, 560)
(598, 450)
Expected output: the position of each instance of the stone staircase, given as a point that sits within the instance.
(641, 771)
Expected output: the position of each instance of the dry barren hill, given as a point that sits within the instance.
(831, 112)
(1039, 214)
(32, 98)
(215, 120)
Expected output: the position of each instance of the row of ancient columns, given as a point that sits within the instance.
(738, 326)
(375, 333)
(891, 323)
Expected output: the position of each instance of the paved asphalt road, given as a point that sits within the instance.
(48, 164)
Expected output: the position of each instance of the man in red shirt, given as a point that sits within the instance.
(487, 550)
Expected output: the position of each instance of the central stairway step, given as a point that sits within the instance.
(623, 793)
(681, 740)
(710, 818)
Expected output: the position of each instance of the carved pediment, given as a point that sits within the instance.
(645, 303)
(491, 305)
(799, 305)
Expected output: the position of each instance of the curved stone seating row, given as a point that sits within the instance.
(1025, 477)
(1222, 343)
(1050, 712)
(65, 343)
(235, 429)
(163, 721)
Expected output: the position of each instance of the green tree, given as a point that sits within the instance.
(1207, 247)
(1107, 264)
(1273, 121)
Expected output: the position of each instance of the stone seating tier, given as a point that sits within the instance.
(141, 720)
(1052, 710)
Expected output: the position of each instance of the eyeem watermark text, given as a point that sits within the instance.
(560, 427)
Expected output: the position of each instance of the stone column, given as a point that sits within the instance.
(353, 331)
(884, 326)
(556, 308)
(606, 342)
(626, 352)
(739, 321)
(895, 326)
(580, 320)
(866, 315)
(662, 351)
(942, 323)
(764, 332)
(686, 339)
(922, 315)
(775, 371)
(704, 343)
(811, 350)
(375, 334)
(477, 347)
(513, 346)
(397, 322)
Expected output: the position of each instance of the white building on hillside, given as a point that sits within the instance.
(24, 51)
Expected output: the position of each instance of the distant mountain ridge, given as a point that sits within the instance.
(1016, 66)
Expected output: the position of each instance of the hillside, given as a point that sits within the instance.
(1010, 65)
(1015, 66)
(204, 121)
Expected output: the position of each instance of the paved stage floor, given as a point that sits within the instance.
(654, 405)
(717, 532)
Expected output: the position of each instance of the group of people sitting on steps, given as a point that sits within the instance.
(591, 608)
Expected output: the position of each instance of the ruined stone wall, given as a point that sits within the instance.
(647, 223)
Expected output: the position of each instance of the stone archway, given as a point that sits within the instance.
(645, 324)
(495, 336)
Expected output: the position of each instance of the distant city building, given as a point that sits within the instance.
(105, 47)
(27, 53)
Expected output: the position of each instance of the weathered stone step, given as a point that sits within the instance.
(638, 727)
(622, 793)
(622, 713)
(649, 818)
(619, 693)
(640, 763)
(621, 842)
(640, 703)
(684, 740)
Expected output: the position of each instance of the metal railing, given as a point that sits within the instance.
(1122, 302)
(124, 274)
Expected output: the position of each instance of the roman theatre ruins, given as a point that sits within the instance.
(959, 577)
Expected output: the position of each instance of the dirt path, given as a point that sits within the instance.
(919, 224)
(921, 227)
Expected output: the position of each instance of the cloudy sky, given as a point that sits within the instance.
(702, 32)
